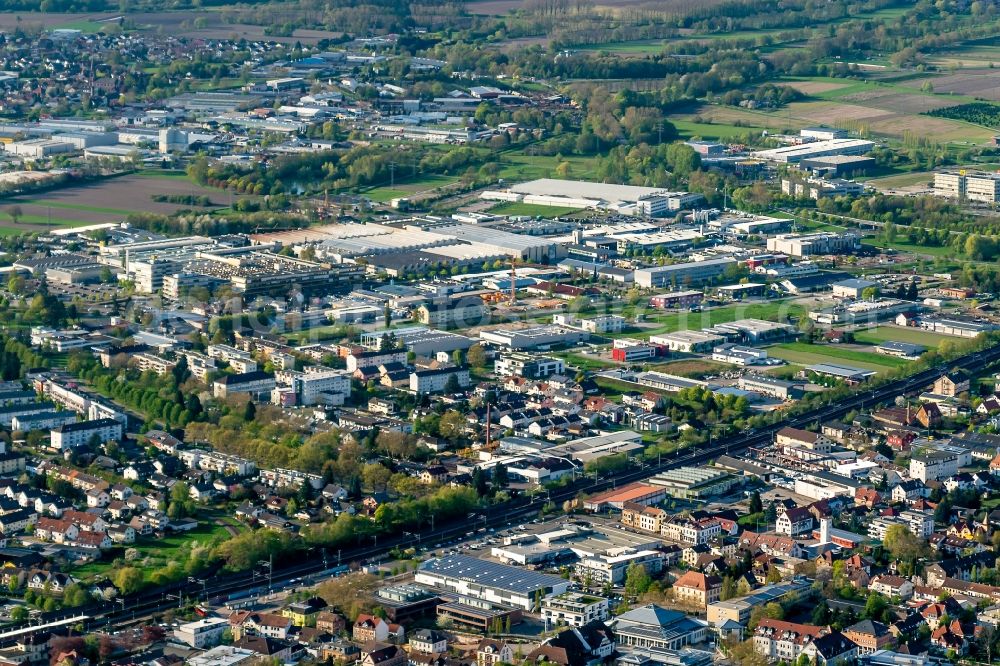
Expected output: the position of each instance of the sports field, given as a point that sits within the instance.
(407, 188)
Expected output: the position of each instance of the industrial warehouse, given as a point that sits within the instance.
(623, 199)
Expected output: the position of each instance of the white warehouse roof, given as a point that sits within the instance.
(580, 189)
(794, 153)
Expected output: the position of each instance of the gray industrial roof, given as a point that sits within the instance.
(490, 574)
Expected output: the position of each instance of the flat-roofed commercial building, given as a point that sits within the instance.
(804, 245)
(795, 153)
(533, 338)
(817, 188)
(688, 341)
(202, 633)
(613, 568)
(821, 486)
(475, 614)
(968, 185)
(961, 327)
(692, 272)
(532, 366)
(694, 482)
(669, 383)
(458, 313)
(677, 299)
(772, 386)
(626, 199)
(860, 312)
(521, 246)
(489, 581)
(598, 446)
(420, 340)
(753, 331)
(574, 609)
(258, 273)
(637, 493)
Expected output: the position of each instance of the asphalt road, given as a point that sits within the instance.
(315, 560)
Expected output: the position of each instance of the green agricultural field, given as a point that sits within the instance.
(636, 47)
(880, 334)
(712, 132)
(69, 205)
(806, 354)
(888, 12)
(869, 107)
(520, 167)
(903, 246)
(900, 180)
(532, 210)
(83, 25)
(851, 355)
(738, 34)
(40, 220)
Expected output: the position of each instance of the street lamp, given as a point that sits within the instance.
(269, 563)
(204, 591)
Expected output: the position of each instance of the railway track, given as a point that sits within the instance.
(318, 560)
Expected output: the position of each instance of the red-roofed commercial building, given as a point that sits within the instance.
(637, 493)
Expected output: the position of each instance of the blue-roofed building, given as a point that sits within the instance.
(653, 626)
(489, 581)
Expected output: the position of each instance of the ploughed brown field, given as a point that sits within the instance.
(105, 201)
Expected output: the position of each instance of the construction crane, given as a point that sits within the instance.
(490, 444)
(513, 281)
